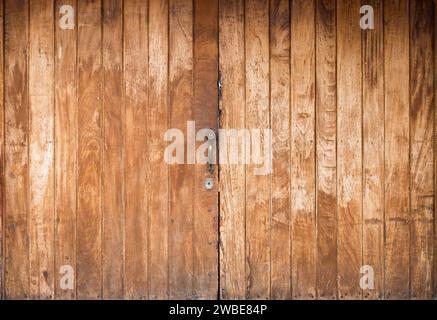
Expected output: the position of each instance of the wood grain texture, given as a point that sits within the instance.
(396, 159)
(41, 149)
(113, 152)
(421, 148)
(136, 156)
(16, 238)
(65, 150)
(434, 278)
(326, 146)
(232, 177)
(258, 118)
(159, 177)
(302, 127)
(280, 179)
(373, 150)
(84, 182)
(205, 75)
(89, 152)
(182, 176)
(349, 148)
(2, 152)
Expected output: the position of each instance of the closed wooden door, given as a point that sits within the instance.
(90, 207)
(351, 105)
(231, 149)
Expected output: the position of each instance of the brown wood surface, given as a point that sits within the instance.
(182, 177)
(421, 148)
(396, 159)
(373, 150)
(349, 150)
(205, 104)
(326, 143)
(41, 150)
(135, 23)
(65, 151)
(84, 184)
(113, 152)
(257, 117)
(16, 205)
(2, 152)
(158, 194)
(232, 177)
(280, 258)
(89, 150)
(434, 274)
(302, 128)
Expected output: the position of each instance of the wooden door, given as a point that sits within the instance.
(90, 209)
(352, 114)
(324, 133)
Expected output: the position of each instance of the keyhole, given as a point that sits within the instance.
(208, 183)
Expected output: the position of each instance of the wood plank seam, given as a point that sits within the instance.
(245, 171)
(2, 151)
(76, 86)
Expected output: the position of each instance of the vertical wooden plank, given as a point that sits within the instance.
(158, 123)
(373, 149)
(302, 97)
(421, 148)
(257, 117)
(181, 175)
(113, 151)
(280, 115)
(349, 146)
(232, 176)
(326, 161)
(397, 204)
(205, 114)
(135, 69)
(16, 150)
(349, 149)
(2, 151)
(435, 156)
(65, 149)
(89, 198)
(41, 149)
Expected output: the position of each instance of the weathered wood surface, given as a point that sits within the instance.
(84, 186)
(397, 146)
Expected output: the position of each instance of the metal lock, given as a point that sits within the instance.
(211, 151)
